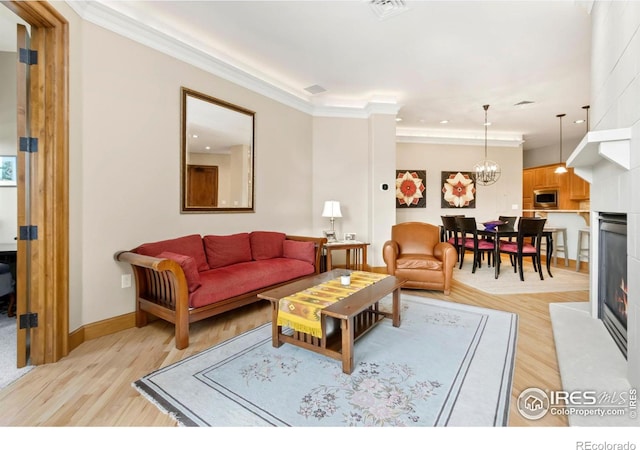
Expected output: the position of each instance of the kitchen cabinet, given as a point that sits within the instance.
(572, 190)
(527, 190)
(579, 189)
(545, 177)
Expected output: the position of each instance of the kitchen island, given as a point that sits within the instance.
(571, 219)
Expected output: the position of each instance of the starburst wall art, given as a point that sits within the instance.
(458, 190)
(410, 188)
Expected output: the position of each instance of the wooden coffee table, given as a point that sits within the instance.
(356, 314)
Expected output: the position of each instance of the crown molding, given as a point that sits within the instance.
(99, 14)
(460, 137)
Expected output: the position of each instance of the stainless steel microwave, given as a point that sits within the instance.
(545, 199)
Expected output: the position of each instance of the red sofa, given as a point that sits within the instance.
(193, 277)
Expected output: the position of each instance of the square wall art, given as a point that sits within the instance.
(410, 188)
(458, 190)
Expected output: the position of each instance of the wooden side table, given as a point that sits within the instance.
(356, 254)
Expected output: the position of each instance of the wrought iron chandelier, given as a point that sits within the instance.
(486, 172)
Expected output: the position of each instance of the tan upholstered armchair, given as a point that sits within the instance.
(416, 254)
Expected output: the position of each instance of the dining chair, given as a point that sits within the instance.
(527, 244)
(468, 229)
(509, 224)
(450, 232)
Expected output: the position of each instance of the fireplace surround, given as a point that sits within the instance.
(612, 276)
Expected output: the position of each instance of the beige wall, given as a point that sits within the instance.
(491, 201)
(340, 161)
(351, 158)
(125, 162)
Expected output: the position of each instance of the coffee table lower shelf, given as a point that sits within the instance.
(331, 345)
(343, 322)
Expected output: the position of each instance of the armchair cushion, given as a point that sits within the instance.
(423, 262)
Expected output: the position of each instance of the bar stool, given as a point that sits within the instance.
(583, 251)
(559, 247)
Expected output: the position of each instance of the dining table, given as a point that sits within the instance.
(496, 233)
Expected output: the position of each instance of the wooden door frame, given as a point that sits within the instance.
(49, 254)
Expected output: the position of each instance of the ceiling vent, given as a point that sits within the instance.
(315, 89)
(387, 8)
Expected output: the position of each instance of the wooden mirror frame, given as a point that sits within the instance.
(226, 127)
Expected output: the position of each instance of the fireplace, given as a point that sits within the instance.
(612, 276)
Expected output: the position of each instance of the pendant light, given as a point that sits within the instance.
(486, 172)
(586, 108)
(561, 169)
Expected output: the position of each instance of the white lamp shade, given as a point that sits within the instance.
(331, 209)
(561, 169)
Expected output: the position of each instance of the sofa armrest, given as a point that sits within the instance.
(390, 251)
(318, 242)
(162, 286)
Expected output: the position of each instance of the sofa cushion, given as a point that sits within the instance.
(189, 268)
(302, 250)
(223, 251)
(237, 279)
(266, 244)
(190, 245)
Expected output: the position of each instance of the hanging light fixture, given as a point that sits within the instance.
(561, 169)
(586, 108)
(486, 172)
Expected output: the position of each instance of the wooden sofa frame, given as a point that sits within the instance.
(161, 290)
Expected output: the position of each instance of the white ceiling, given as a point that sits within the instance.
(436, 59)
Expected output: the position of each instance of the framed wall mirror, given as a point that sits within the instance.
(217, 170)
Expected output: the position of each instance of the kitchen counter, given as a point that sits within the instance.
(571, 219)
(584, 213)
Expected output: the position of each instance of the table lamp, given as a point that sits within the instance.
(331, 210)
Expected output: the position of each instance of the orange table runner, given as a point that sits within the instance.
(301, 311)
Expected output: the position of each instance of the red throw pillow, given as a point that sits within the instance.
(189, 268)
(226, 250)
(266, 244)
(302, 250)
(190, 245)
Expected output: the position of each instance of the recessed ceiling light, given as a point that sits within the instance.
(444, 121)
(487, 124)
(207, 148)
(195, 136)
(398, 119)
(579, 121)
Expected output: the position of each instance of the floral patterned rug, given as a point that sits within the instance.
(446, 365)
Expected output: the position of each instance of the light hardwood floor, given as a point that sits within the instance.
(92, 385)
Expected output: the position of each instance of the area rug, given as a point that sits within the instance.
(446, 365)
(509, 282)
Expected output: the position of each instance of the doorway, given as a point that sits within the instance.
(43, 242)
